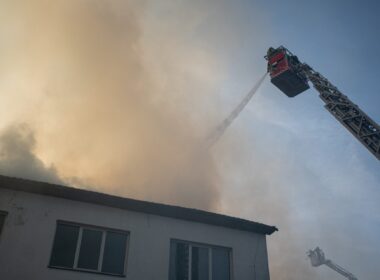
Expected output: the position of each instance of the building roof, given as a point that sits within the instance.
(152, 208)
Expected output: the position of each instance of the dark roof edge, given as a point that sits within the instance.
(153, 208)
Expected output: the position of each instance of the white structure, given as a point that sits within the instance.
(56, 232)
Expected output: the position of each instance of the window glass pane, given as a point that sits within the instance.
(2, 220)
(220, 264)
(173, 257)
(90, 249)
(114, 253)
(64, 247)
(199, 263)
(179, 265)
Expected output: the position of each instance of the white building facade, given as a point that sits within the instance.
(56, 232)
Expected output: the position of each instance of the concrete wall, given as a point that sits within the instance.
(27, 238)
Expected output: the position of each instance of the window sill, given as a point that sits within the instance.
(88, 271)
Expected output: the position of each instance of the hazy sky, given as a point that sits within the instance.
(119, 95)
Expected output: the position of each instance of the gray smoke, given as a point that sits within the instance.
(17, 158)
(101, 108)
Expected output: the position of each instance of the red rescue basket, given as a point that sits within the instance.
(284, 71)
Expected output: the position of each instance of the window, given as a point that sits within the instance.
(89, 249)
(2, 219)
(191, 261)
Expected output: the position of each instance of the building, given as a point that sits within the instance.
(56, 232)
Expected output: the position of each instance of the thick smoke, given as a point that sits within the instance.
(102, 110)
(17, 158)
(121, 94)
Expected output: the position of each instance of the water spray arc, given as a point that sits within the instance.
(219, 131)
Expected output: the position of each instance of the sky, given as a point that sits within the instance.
(117, 96)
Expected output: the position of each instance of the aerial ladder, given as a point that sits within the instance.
(317, 258)
(291, 77)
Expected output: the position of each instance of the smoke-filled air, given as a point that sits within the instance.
(102, 107)
(119, 96)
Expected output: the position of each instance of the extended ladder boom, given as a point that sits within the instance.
(292, 77)
(317, 258)
(366, 130)
(340, 270)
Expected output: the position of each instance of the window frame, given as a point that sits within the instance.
(208, 246)
(3, 214)
(104, 230)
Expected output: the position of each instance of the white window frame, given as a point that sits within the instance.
(209, 248)
(79, 243)
(102, 245)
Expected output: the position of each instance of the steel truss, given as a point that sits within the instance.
(366, 130)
